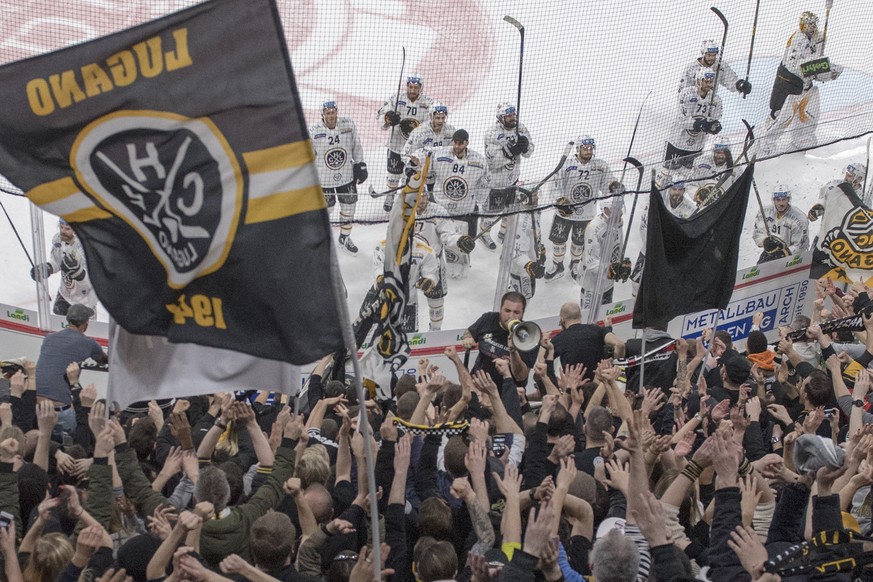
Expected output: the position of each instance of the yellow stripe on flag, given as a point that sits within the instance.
(283, 182)
(63, 198)
(284, 204)
(291, 155)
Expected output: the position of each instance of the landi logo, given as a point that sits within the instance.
(417, 340)
(18, 314)
(796, 260)
(752, 274)
(619, 308)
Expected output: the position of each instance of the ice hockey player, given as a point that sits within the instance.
(853, 181)
(597, 249)
(528, 253)
(505, 144)
(581, 181)
(67, 257)
(426, 137)
(673, 191)
(709, 58)
(787, 229)
(400, 117)
(794, 100)
(713, 174)
(699, 114)
(339, 158)
(460, 182)
(434, 237)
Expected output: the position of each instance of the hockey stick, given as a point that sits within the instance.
(720, 51)
(399, 85)
(635, 163)
(752, 44)
(372, 191)
(520, 28)
(824, 34)
(760, 204)
(531, 192)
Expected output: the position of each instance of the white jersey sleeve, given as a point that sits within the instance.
(799, 50)
(412, 115)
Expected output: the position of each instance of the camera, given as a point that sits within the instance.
(6, 519)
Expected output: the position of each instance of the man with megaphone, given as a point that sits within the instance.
(503, 335)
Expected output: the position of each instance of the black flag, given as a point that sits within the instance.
(691, 264)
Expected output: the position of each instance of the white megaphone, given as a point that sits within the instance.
(526, 335)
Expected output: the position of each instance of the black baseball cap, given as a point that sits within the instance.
(461, 135)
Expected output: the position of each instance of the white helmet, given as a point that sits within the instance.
(415, 79)
(858, 171)
(708, 46)
(438, 107)
(704, 73)
(585, 140)
(504, 109)
(782, 191)
(677, 182)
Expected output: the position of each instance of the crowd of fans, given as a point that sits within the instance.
(724, 461)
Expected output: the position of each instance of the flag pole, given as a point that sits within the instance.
(363, 423)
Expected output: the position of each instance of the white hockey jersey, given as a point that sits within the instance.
(412, 114)
(799, 50)
(70, 289)
(691, 108)
(685, 209)
(503, 166)
(727, 78)
(336, 151)
(459, 182)
(792, 229)
(436, 231)
(424, 140)
(524, 250)
(596, 251)
(582, 183)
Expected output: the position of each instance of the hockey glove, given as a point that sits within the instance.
(523, 144)
(392, 118)
(624, 270)
(514, 150)
(562, 204)
(744, 87)
(41, 271)
(410, 171)
(775, 247)
(613, 273)
(713, 127)
(466, 244)
(427, 286)
(815, 212)
(699, 125)
(534, 270)
(616, 188)
(359, 171)
(71, 267)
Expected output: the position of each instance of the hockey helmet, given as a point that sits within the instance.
(415, 79)
(677, 182)
(329, 104)
(438, 107)
(808, 22)
(705, 73)
(585, 141)
(858, 172)
(708, 46)
(504, 109)
(781, 191)
(722, 146)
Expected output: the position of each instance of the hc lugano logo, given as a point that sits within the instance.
(335, 158)
(455, 188)
(173, 179)
(851, 243)
(580, 193)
